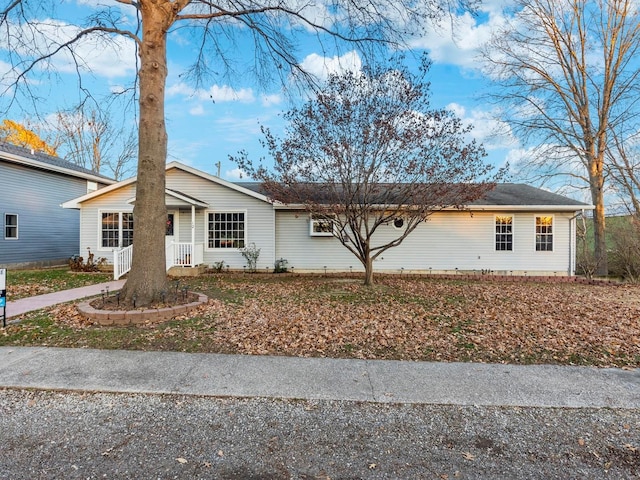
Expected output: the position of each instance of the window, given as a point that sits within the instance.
(169, 228)
(504, 233)
(226, 230)
(544, 234)
(320, 226)
(10, 226)
(116, 229)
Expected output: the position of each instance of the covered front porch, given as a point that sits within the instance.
(179, 255)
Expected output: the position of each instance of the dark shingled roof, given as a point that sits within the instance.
(505, 194)
(47, 159)
(522, 194)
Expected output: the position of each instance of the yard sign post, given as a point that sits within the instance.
(3, 295)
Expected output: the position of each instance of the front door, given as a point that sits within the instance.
(171, 231)
(171, 236)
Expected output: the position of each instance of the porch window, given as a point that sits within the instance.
(10, 226)
(116, 229)
(226, 230)
(544, 234)
(504, 233)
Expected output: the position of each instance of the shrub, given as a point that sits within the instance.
(77, 263)
(251, 254)
(280, 266)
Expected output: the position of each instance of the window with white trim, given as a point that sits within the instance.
(504, 233)
(116, 229)
(321, 226)
(226, 229)
(544, 234)
(10, 226)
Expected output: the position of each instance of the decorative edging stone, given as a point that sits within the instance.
(137, 317)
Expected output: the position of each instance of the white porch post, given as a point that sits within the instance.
(193, 234)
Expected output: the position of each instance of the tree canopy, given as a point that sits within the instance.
(17, 134)
(368, 151)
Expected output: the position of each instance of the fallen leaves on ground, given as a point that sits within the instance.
(407, 318)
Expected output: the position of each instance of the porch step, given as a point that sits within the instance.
(178, 271)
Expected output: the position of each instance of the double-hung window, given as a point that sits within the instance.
(504, 232)
(544, 234)
(11, 226)
(226, 229)
(116, 229)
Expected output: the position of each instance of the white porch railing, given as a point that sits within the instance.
(185, 254)
(122, 261)
(181, 254)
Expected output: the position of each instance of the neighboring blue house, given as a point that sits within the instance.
(36, 230)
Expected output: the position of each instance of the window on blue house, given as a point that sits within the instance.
(11, 226)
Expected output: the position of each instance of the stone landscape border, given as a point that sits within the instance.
(139, 316)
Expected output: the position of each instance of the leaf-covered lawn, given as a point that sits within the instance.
(399, 318)
(28, 283)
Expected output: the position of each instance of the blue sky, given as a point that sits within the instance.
(207, 125)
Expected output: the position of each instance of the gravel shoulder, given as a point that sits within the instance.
(46, 435)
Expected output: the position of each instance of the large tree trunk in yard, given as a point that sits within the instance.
(596, 183)
(599, 230)
(148, 277)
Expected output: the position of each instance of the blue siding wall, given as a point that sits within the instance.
(47, 233)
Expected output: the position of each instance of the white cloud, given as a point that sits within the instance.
(487, 128)
(270, 100)
(216, 93)
(321, 67)
(236, 174)
(197, 110)
(458, 40)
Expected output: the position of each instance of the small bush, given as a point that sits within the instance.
(251, 254)
(77, 263)
(280, 266)
(218, 267)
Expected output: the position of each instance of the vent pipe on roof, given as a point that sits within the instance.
(33, 152)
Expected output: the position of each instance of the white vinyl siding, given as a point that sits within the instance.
(91, 219)
(448, 242)
(259, 219)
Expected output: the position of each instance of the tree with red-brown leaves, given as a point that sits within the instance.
(369, 150)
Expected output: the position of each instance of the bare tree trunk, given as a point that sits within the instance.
(368, 266)
(599, 230)
(148, 272)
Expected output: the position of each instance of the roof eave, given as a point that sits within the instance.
(11, 157)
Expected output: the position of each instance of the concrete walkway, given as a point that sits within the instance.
(19, 307)
(306, 378)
